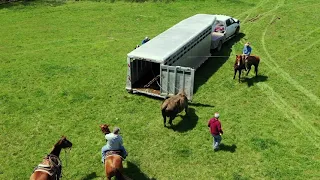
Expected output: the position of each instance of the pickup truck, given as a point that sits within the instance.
(224, 28)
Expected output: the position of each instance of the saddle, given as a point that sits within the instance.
(52, 166)
(112, 152)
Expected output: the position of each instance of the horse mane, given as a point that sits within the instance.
(63, 138)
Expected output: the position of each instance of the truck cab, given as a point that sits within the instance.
(224, 28)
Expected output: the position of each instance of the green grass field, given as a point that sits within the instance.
(63, 70)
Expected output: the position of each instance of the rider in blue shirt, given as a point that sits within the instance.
(246, 52)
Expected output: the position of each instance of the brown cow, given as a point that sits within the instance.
(174, 105)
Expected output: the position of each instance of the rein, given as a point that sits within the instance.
(52, 163)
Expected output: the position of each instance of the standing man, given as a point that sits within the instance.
(215, 130)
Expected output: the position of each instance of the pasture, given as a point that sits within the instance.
(63, 69)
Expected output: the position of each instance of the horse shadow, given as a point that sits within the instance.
(212, 65)
(252, 80)
(134, 172)
(188, 122)
(90, 176)
(200, 104)
(224, 147)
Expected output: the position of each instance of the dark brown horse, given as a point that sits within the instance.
(51, 167)
(242, 63)
(113, 161)
(174, 105)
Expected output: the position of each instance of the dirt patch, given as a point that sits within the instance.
(255, 18)
(273, 21)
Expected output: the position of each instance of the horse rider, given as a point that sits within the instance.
(246, 53)
(145, 40)
(114, 143)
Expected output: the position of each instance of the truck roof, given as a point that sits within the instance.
(222, 17)
(161, 47)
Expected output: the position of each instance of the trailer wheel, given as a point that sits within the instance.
(219, 46)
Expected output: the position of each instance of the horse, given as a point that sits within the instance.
(113, 160)
(51, 167)
(241, 64)
(173, 106)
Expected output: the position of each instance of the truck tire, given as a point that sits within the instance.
(219, 46)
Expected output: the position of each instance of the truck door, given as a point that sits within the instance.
(231, 28)
(175, 78)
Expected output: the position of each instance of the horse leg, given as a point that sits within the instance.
(164, 120)
(170, 121)
(249, 68)
(186, 109)
(239, 74)
(256, 70)
(235, 73)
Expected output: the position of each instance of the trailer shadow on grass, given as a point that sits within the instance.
(134, 172)
(188, 122)
(214, 63)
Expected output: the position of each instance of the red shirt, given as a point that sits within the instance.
(215, 126)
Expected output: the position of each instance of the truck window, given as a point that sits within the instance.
(231, 21)
(228, 22)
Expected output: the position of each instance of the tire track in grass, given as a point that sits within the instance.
(288, 110)
(291, 114)
(305, 49)
(280, 103)
(304, 36)
(285, 75)
(264, 15)
(299, 39)
(249, 11)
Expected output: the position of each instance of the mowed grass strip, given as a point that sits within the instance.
(63, 69)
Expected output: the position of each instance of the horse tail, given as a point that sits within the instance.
(119, 175)
(164, 105)
(163, 111)
(258, 59)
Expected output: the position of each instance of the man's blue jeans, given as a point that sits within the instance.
(216, 141)
(104, 149)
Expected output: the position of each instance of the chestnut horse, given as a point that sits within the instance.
(51, 167)
(113, 161)
(241, 64)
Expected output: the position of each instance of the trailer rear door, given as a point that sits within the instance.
(175, 78)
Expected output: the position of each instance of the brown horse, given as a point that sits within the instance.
(51, 167)
(173, 106)
(113, 161)
(241, 64)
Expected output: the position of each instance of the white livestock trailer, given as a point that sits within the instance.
(167, 63)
